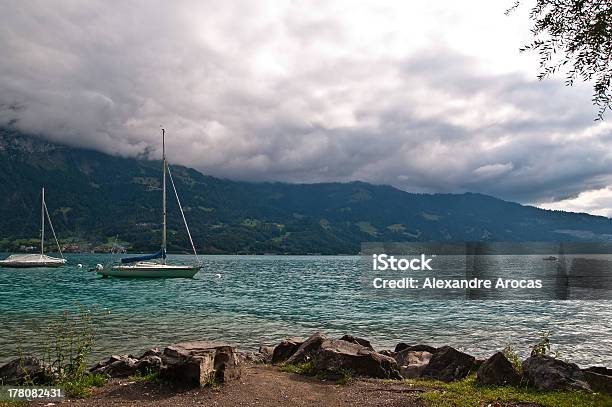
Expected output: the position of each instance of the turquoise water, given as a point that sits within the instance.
(262, 299)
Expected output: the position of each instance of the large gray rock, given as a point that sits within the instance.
(599, 379)
(497, 370)
(150, 363)
(307, 349)
(26, 368)
(193, 364)
(285, 350)
(448, 364)
(412, 363)
(359, 341)
(151, 352)
(128, 365)
(547, 373)
(334, 356)
(116, 366)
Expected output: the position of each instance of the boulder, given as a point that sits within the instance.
(26, 368)
(149, 364)
(448, 364)
(334, 356)
(116, 366)
(412, 363)
(359, 341)
(387, 352)
(598, 380)
(416, 348)
(266, 353)
(307, 349)
(285, 350)
(498, 370)
(546, 373)
(193, 364)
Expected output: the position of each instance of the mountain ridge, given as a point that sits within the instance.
(94, 197)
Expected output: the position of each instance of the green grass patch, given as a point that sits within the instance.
(151, 376)
(250, 223)
(67, 342)
(469, 393)
(82, 386)
(344, 376)
(513, 357)
(301, 368)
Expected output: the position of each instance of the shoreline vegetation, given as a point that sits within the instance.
(7, 246)
(318, 370)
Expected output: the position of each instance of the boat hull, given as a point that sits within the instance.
(29, 265)
(151, 271)
(31, 261)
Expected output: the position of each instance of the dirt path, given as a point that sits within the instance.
(260, 386)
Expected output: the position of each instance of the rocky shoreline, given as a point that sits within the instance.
(200, 364)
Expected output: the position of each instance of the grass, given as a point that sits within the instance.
(82, 386)
(151, 376)
(67, 343)
(345, 376)
(513, 357)
(301, 368)
(469, 393)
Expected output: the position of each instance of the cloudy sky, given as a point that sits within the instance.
(425, 97)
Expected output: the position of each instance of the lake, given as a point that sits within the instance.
(253, 300)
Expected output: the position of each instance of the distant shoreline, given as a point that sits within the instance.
(199, 254)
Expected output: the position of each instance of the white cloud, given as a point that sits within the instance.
(493, 170)
(596, 202)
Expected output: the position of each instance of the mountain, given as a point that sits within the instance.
(94, 197)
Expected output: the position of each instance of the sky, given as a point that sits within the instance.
(424, 96)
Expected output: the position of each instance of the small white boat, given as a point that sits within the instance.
(40, 259)
(31, 260)
(138, 266)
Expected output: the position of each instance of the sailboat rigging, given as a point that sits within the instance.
(37, 260)
(140, 266)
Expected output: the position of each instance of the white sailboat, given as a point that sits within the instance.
(40, 259)
(140, 266)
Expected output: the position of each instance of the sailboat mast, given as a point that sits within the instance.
(42, 222)
(164, 164)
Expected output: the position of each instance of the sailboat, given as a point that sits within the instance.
(40, 259)
(141, 266)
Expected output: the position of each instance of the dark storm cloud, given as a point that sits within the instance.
(281, 91)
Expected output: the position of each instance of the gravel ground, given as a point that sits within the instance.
(260, 386)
